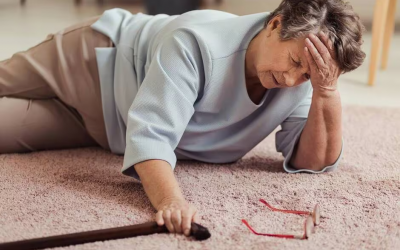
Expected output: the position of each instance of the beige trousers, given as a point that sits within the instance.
(50, 94)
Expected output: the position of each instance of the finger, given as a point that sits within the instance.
(315, 54)
(310, 60)
(321, 48)
(176, 218)
(167, 220)
(327, 42)
(196, 217)
(187, 215)
(159, 218)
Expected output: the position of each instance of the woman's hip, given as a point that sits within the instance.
(64, 66)
(77, 70)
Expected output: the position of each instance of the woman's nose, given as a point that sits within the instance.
(290, 81)
(293, 78)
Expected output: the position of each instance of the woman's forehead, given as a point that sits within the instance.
(296, 46)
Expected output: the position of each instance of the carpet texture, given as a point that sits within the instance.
(67, 191)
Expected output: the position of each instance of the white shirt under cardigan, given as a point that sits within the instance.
(174, 88)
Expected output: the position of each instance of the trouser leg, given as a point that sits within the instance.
(32, 125)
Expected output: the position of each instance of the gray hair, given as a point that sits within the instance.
(334, 17)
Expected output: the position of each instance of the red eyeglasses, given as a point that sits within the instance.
(311, 221)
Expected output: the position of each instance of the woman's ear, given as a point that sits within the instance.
(274, 25)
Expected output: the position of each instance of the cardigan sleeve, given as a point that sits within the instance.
(289, 135)
(164, 103)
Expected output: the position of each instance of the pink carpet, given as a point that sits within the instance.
(58, 192)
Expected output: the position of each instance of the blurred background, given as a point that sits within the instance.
(25, 23)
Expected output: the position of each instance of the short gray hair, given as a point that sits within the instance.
(334, 17)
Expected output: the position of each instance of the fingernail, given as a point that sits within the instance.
(187, 231)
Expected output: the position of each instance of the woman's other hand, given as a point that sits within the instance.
(177, 214)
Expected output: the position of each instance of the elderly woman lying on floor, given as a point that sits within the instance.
(205, 85)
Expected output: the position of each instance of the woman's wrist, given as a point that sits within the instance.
(170, 200)
(322, 93)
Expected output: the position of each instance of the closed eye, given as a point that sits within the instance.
(295, 62)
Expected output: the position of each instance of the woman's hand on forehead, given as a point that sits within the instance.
(324, 70)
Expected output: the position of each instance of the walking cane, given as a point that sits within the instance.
(197, 231)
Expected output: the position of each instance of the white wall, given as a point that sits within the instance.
(364, 8)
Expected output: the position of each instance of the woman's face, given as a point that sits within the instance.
(280, 64)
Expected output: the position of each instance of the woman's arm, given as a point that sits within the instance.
(156, 122)
(158, 181)
(321, 140)
(165, 195)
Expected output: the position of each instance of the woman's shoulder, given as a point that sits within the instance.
(220, 33)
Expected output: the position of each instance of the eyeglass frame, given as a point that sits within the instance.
(312, 220)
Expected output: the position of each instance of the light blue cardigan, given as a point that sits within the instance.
(174, 88)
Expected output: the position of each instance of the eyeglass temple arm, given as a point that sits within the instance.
(283, 210)
(274, 235)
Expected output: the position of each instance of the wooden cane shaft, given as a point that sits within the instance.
(90, 236)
